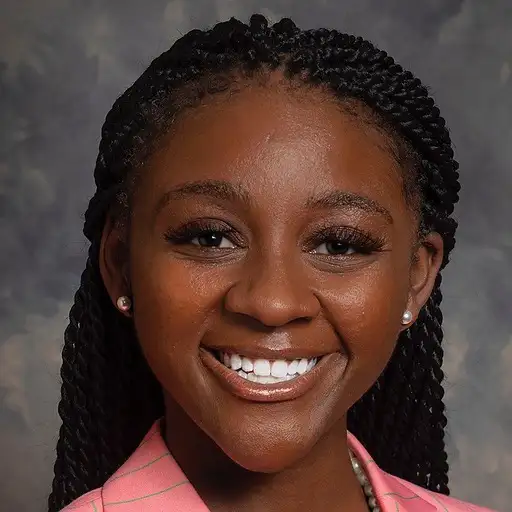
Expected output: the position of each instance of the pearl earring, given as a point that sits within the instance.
(124, 303)
(406, 317)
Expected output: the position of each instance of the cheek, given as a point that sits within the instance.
(177, 304)
(178, 300)
(366, 309)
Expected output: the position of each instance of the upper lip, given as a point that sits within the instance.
(270, 353)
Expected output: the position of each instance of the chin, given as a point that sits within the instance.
(262, 461)
(266, 454)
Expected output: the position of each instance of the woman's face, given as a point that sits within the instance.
(271, 228)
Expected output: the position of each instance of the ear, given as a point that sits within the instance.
(426, 263)
(113, 261)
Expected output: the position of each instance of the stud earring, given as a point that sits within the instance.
(124, 303)
(406, 317)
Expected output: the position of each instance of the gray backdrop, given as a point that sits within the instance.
(62, 64)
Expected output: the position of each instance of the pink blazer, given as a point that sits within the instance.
(151, 481)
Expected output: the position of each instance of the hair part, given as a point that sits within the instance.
(106, 381)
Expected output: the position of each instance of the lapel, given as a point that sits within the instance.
(392, 494)
(150, 480)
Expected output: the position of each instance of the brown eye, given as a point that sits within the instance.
(343, 241)
(334, 248)
(212, 239)
(205, 234)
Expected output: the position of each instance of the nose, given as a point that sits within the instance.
(274, 294)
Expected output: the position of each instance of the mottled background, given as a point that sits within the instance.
(62, 64)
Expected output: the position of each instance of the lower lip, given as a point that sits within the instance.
(277, 392)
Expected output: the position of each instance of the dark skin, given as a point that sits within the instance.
(277, 280)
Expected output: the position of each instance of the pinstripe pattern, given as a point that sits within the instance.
(151, 481)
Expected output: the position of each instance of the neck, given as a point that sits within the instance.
(322, 481)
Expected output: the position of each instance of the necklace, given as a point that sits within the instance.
(365, 484)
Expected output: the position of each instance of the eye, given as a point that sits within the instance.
(343, 241)
(334, 248)
(214, 239)
(205, 234)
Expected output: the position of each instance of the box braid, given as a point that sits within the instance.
(109, 395)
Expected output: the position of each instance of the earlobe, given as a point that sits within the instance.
(113, 265)
(424, 270)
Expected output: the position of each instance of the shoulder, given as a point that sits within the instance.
(149, 479)
(90, 502)
(114, 488)
(401, 492)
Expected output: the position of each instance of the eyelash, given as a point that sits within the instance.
(185, 234)
(363, 243)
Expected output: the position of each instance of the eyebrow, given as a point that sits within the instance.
(339, 199)
(214, 189)
(230, 192)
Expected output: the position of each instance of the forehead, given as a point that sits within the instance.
(278, 143)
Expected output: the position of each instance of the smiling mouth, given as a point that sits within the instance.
(266, 380)
(266, 371)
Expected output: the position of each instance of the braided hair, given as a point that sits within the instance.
(109, 396)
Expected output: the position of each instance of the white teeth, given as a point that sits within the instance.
(292, 367)
(236, 362)
(279, 369)
(247, 365)
(263, 380)
(262, 367)
(265, 371)
(303, 366)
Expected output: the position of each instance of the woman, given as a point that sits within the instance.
(261, 297)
